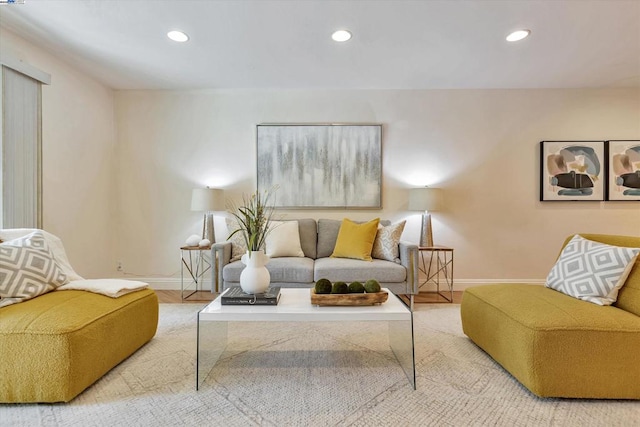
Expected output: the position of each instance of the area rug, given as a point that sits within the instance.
(315, 374)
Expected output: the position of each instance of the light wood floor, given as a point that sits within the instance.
(173, 296)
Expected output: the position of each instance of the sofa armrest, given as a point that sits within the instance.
(409, 259)
(221, 255)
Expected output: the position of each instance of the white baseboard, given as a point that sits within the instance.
(462, 284)
(170, 283)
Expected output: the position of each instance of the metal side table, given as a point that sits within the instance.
(438, 268)
(197, 262)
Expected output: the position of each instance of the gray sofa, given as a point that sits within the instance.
(317, 239)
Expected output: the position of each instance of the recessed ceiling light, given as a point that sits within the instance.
(341, 35)
(518, 35)
(177, 36)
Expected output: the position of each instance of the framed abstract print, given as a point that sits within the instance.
(572, 170)
(624, 170)
(317, 166)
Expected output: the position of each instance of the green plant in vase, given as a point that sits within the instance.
(254, 222)
(254, 217)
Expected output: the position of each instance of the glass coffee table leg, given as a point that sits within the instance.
(212, 340)
(402, 345)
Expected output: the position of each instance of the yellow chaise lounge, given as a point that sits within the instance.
(59, 342)
(54, 346)
(559, 346)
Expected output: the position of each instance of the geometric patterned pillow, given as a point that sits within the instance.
(238, 245)
(591, 271)
(27, 269)
(385, 246)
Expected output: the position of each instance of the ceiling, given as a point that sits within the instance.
(286, 44)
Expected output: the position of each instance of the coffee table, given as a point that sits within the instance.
(295, 306)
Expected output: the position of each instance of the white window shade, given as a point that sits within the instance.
(21, 178)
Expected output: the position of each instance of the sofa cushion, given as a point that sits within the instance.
(27, 269)
(308, 229)
(355, 240)
(349, 270)
(591, 271)
(555, 345)
(327, 234)
(283, 240)
(385, 246)
(286, 269)
(54, 346)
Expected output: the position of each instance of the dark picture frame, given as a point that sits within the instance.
(321, 166)
(623, 162)
(573, 170)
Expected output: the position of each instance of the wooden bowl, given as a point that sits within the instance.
(348, 299)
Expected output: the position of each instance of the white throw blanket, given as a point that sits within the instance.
(113, 288)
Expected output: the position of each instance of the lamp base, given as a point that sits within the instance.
(426, 235)
(208, 232)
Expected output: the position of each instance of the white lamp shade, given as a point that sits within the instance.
(207, 199)
(425, 199)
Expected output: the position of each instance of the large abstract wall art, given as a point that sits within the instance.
(624, 170)
(572, 170)
(321, 166)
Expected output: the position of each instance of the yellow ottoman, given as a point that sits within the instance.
(556, 345)
(56, 345)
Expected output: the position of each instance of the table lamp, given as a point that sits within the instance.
(425, 199)
(207, 200)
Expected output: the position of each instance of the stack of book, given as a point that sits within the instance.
(236, 296)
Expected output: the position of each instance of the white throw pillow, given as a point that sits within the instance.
(385, 246)
(27, 269)
(283, 240)
(592, 271)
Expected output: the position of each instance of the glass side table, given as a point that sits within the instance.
(438, 268)
(197, 262)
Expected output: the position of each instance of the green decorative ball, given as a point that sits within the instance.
(356, 288)
(340, 288)
(323, 286)
(372, 286)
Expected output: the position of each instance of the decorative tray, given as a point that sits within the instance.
(349, 299)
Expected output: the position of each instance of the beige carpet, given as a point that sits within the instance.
(315, 374)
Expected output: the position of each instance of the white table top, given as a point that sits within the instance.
(295, 305)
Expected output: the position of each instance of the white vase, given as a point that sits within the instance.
(255, 277)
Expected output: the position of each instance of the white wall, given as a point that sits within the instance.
(480, 146)
(119, 169)
(78, 139)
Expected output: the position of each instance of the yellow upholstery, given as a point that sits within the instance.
(54, 346)
(556, 345)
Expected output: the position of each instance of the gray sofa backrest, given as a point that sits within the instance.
(308, 230)
(328, 234)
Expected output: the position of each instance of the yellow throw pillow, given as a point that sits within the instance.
(355, 240)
